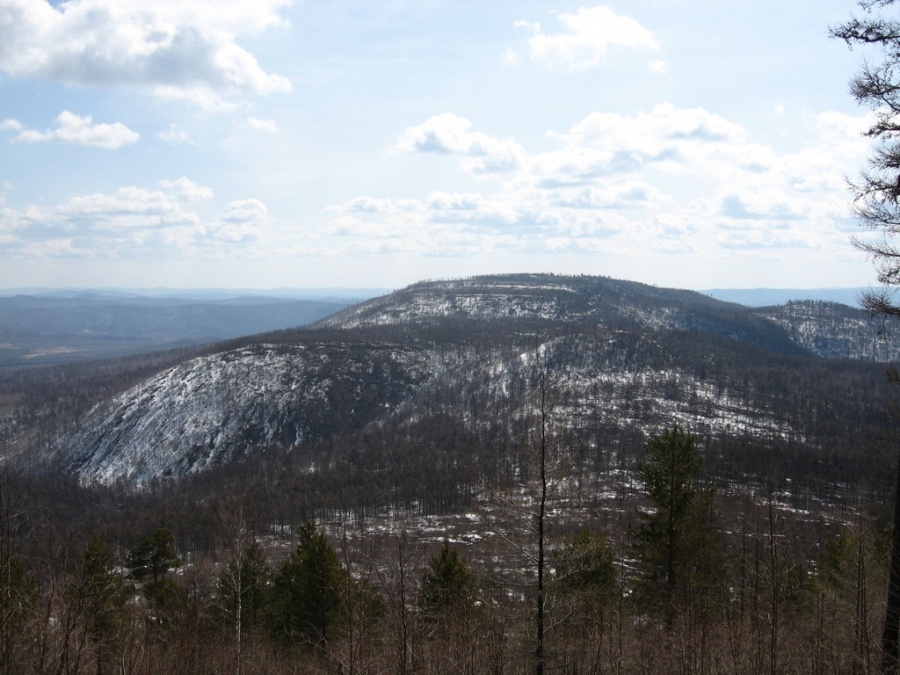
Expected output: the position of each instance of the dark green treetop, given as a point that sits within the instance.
(678, 551)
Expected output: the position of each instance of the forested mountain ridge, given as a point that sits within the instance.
(833, 330)
(627, 360)
(824, 329)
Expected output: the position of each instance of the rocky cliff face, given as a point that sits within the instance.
(221, 407)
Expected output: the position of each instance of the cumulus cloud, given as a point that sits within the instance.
(667, 139)
(239, 222)
(667, 180)
(451, 133)
(262, 125)
(366, 204)
(585, 37)
(185, 188)
(470, 207)
(129, 208)
(76, 129)
(759, 206)
(350, 226)
(625, 195)
(663, 124)
(183, 49)
(245, 211)
(133, 221)
(174, 135)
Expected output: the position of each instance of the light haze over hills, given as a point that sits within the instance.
(761, 297)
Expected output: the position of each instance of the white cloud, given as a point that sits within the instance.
(824, 166)
(349, 226)
(72, 128)
(586, 36)
(128, 209)
(658, 67)
(761, 206)
(624, 195)
(262, 125)
(470, 207)
(668, 180)
(236, 233)
(200, 97)
(645, 132)
(10, 125)
(674, 141)
(174, 45)
(245, 211)
(450, 133)
(174, 135)
(131, 222)
(185, 188)
(366, 204)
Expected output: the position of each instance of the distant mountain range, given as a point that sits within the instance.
(65, 326)
(163, 293)
(751, 297)
(762, 297)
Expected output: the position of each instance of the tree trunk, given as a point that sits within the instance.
(539, 644)
(890, 640)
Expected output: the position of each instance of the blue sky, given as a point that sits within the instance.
(223, 143)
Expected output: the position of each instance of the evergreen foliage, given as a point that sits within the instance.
(448, 583)
(584, 585)
(876, 205)
(99, 596)
(678, 551)
(150, 562)
(584, 566)
(308, 591)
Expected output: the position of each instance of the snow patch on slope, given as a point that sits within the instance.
(221, 407)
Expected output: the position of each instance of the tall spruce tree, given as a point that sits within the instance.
(584, 583)
(150, 563)
(99, 596)
(448, 583)
(674, 544)
(308, 591)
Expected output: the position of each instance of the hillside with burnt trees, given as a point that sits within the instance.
(463, 475)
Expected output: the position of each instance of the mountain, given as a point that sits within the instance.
(458, 359)
(824, 329)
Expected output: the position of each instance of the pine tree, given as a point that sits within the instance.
(150, 562)
(676, 547)
(99, 596)
(876, 205)
(584, 586)
(307, 590)
(585, 567)
(448, 583)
